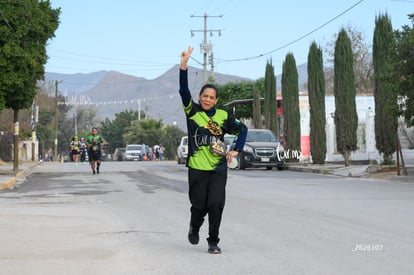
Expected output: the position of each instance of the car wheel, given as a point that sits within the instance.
(280, 167)
(268, 167)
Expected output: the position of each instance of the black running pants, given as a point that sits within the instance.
(207, 193)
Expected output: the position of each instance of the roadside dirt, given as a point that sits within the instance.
(387, 173)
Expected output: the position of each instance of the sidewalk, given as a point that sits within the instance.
(9, 178)
(357, 171)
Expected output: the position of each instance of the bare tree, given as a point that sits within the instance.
(363, 67)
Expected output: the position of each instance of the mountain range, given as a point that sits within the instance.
(114, 92)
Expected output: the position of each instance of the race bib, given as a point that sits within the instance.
(217, 147)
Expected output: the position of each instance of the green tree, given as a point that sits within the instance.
(146, 131)
(30, 24)
(290, 94)
(170, 139)
(270, 103)
(346, 118)
(404, 70)
(115, 129)
(385, 95)
(316, 90)
(236, 91)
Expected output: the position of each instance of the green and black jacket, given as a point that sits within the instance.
(206, 126)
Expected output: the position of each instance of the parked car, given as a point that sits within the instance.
(182, 150)
(135, 152)
(262, 149)
(119, 154)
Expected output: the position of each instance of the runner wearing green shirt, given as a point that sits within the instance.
(94, 143)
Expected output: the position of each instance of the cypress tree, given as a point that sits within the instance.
(346, 118)
(290, 94)
(257, 110)
(270, 104)
(316, 90)
(386, 121)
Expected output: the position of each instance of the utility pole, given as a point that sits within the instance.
(34, 119)
(139, 109)
(206, 48)
(55, 154)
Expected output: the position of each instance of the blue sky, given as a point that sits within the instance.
(145, 38)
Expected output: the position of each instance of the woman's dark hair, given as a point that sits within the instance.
(209, 86)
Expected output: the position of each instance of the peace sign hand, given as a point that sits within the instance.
(185, 56)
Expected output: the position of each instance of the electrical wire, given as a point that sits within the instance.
(296, 40)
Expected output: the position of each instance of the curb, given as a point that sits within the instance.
(11, 182)
(322, 170)
(356, 173)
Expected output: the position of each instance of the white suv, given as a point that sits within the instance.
(182, 150)
(135, 152)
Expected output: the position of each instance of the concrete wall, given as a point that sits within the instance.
(366, 133)
(25, 150)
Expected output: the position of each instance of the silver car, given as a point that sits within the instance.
(182, 150)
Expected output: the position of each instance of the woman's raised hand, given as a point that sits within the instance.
(185, 55)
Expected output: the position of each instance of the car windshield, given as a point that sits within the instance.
(260, 136)
(134, 148)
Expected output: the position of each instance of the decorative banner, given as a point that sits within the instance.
(86, 100)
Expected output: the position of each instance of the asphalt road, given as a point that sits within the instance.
(133, 219)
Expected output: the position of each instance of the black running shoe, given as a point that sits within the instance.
(193, 236)
(213, 249)
(93, 171)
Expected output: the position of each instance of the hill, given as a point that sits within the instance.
(113, 92)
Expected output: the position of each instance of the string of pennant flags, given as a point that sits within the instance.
(86, 100)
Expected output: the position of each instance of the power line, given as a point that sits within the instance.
(106, 59)
(296, 40)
